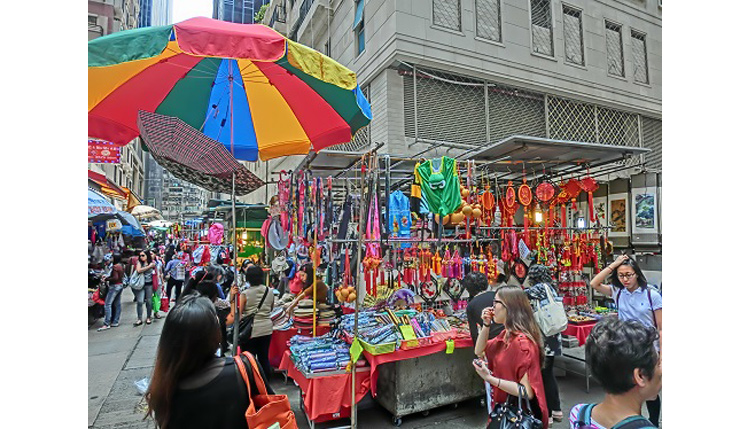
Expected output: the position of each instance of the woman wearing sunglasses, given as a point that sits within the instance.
(516, 355)
(145, 266)
(635, 300)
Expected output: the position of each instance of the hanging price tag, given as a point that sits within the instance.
(449, 346)
(355, 350)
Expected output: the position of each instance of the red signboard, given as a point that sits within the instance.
(103, 152)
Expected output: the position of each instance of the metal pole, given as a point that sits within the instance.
(237, 310)
(360, 232)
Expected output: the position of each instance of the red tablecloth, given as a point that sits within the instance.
(407, 354)
(326, 394)
(580, 331)
(280, 338)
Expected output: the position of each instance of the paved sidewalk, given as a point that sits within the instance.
(121, 356)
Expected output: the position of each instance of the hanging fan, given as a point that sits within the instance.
(525, 197)
(510, 195)
(429, 290)
(453, 288)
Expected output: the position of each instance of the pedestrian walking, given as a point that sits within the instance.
(636, 300)
(112, 305)
(175, 274)
(539, 277)
(158, 282)
(515, 356)
(144, 266)
(622, 356)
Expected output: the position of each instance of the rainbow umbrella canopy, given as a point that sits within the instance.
(244, 85)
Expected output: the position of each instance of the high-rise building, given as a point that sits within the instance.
(155, 12)
(175, 198)
(238, 11)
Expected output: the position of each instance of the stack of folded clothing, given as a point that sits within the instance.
(320, 354)
(303, 315)
(279, 319)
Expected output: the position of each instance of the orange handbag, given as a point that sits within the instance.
(264, 409)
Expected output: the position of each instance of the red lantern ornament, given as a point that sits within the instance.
(589, 185)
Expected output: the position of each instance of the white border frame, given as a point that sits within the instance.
(605, 201)
(643, 191)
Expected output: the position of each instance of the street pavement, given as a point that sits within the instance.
(121, 356)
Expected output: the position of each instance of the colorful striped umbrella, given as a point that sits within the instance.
(244, 85)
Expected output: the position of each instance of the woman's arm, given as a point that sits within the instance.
(511, 387)
(230, 317)
(657, 315)
(596, 282)
(484, 333)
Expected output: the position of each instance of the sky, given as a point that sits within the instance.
(184, 9)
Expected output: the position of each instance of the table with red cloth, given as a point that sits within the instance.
(408, 354)
(280, 338)
(327, 397)
(580, 330)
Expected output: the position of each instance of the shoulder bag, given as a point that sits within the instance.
(265, 410)
(506, 416)
(136, 280)
(246, 323)
(550, 314)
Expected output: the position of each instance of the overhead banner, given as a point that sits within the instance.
(103, 152)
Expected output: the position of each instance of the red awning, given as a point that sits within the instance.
(108, 187)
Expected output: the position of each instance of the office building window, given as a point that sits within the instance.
(615, 59)
(541, 28)
(573, 32)
(447, 14)
(488, 20)
(359, 26)
(640, 60)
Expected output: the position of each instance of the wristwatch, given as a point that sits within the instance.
(486, 325)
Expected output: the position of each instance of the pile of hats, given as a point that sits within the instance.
(280, 320)
(303, 314)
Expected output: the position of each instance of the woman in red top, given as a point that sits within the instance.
(514, 356)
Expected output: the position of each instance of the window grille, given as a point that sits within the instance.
(541, 27)
(640, 61)
(573, 34)
(571, 120)
(513, 111)
(488, 20)
(447, 13)
(651, 130)
(614, 49)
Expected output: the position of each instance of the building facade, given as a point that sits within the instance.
(155, 13)
(446, 76)
(238, 11)
(109, 16)
(175, 198)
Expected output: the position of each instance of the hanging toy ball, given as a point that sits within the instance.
(467, 210)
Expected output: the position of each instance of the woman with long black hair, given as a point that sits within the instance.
(145, 266)
(191, 387)
(635, 300)
(515, 356)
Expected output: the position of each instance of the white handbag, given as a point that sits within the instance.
(550, 314)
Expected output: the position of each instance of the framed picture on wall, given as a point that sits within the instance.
(601, 210)
(645, 211)
(618, 215)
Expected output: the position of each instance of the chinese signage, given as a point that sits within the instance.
(103, 152)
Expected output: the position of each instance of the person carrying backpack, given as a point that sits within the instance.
(623, 358)
(636, 301)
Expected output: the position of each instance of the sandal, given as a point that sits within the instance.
(138, 323)
(103, 328)
(557, 416)
(148, 321)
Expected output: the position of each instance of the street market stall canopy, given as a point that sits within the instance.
(258, 93)
(538, 156)
(99, 207)
(145, 213)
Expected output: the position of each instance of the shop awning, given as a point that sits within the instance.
(132, 199)
(107, 187)
(509, 157)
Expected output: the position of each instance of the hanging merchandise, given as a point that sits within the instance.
(372, 259)
(589, 185)
(453, 288)
(438, 180)
(216, 233)
(525, 197)
(545, 193)
(428, 289)
(399, 222)
(488, 204)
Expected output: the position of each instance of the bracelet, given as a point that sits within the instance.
(486, 326)
(498, 382)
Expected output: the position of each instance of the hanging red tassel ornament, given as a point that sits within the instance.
(589, 185)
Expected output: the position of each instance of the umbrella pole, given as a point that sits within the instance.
(357, 289)
(237, 313)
